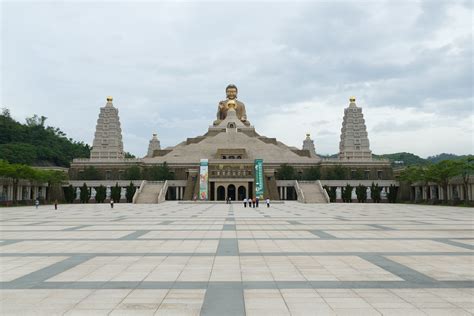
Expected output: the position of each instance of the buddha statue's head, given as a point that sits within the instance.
(231, 104)
(231, 92)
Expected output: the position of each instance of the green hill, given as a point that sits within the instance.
(34, 143)
(445, 156)
(403, 159)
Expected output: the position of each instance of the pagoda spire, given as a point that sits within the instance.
(308, 144)
(108, 134)
(354, 144)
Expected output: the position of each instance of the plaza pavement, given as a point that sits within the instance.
(216, 259)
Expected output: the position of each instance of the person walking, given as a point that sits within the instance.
(55, 205)
(253, 202)
(37, 203)
(256, 201)
(111, 203)
(245, 202)
(229, 200)
(267, 200)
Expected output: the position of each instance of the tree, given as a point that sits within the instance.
(115, 193)
(440, 173)
(358, 175)
(36, 120)
(375, 193)
(286, 172)
(18, 153)
(133, 173)
(392, 194)
(465, 168)
(412, 174)
(312, 173)
(130, 192)
(69, 194)
(91, 173)
(331, 193)
(85, 194)
(361, 192)
(16, 172)
(338, 172)
(100, 194)
(54, 178)
(35, 144)
(346, 193)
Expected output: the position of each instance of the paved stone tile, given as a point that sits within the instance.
(217, 259)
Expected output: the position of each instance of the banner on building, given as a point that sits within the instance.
(204, 179)
(259, 188)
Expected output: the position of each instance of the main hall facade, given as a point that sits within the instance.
(228, 153)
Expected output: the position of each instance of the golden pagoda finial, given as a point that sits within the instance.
(352, 99)
(109, 99)
(308, 135)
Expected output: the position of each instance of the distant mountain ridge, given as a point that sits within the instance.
(409, 159)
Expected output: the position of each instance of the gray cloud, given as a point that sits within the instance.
(167, 65)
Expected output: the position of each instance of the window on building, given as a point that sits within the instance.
(366, 174)
(353, 174)
(108, 175)
(379, 174)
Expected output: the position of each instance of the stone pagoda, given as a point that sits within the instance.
(153, 145)
(108, 134)
(354, 144)
(308, 144)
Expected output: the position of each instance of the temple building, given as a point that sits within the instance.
(354, 138)
(308, 144)
(153, 145)
(233, 161)
(108, 134)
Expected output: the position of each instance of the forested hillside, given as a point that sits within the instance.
(34, 143)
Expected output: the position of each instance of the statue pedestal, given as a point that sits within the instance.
(231, 122)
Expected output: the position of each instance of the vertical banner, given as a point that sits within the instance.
(203, 179)
(259, 189)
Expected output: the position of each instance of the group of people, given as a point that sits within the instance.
(254, 202)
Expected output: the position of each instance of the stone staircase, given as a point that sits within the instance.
(313, 192)
(149, 192)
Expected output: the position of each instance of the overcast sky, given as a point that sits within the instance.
(409, 64)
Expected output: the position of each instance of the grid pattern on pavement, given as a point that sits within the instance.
(217, 259)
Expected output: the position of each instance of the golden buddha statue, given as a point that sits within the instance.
(231, 102)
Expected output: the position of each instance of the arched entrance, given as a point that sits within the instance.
(220, 193)
(231, 192)
(241, 193)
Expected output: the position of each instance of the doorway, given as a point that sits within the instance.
(220, 193)
(242, 193)
(231, 192)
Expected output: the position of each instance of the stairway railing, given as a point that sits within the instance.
(137, 192)
(299, 193)
(325, 193)
(162, 194)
